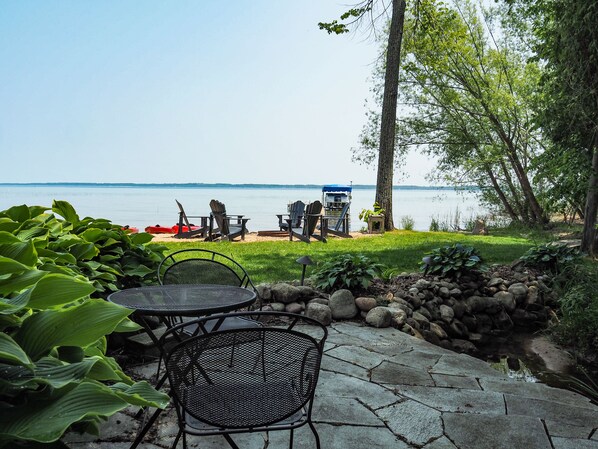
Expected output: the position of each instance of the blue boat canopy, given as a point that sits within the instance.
(337, 188)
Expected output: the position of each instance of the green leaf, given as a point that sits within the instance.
(141, 394)
(84, 400)
(140, 238)
(12, 353)
(20, 282)
(18, 213)
(76, 326)
(14, 248)
(65, 210)
(57, 289)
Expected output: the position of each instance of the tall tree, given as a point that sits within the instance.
(466, 99)
(386, 147)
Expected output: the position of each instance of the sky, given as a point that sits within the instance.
(189, 91)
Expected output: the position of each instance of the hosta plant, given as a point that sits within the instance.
(451, 261)
(346, 271)
(54, 371)
(551, 257)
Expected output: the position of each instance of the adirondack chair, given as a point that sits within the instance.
(341, 228)
(187, 230)
(295, 214)
(223, 226)
(313, 215)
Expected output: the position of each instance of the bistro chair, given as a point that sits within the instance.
(268, 386)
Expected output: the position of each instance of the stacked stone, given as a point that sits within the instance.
(456, 315)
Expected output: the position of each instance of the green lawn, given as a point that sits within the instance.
(400, 250)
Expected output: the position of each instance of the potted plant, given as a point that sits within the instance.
(373, 218)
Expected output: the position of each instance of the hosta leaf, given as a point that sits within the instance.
(20, 282)
(8, 225)
(140, 238)
(127, 325)
(14, 248)
(65, 210)
(82, 251)
(46, 421)
(12, 353)
(80, 325)
(142, 394)
(8, 266)
(140, 270)
(18, 213)
(57, 289)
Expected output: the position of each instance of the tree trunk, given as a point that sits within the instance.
(389, 113)
(501, 195)
(589, 223)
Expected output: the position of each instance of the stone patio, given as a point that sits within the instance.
(381, 388)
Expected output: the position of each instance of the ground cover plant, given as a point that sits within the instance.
(54, 371)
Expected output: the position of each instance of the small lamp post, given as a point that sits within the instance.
(305, 261)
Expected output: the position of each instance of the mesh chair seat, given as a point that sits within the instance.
(245, 379)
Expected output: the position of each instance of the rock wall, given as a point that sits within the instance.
(455, 314)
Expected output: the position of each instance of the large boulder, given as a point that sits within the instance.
(519, 291)
(342, 305)
(379, 317)
(446, 313)
(264, 292)
(366, 303)
(285, 293)
(507, 300)
(319, 312)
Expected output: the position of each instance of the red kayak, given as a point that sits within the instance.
(175, 228)
(159, 230)
(130, 229)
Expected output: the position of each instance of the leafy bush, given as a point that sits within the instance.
(451, 261)
(551, 257)
(54, 372)
(434, 225)
(346, 271)
(407, 223)
(578, 306)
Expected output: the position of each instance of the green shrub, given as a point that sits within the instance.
(346, 271)
(551, 257)
(54, 372)
(407, 223)
(434, 225)
(451, 260)
(578, 306)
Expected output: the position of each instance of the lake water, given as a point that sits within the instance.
(142, 206)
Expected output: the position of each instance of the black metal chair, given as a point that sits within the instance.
(268, 385)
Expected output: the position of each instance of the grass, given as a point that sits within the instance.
(399, 250)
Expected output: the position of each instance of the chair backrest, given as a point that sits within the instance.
(200, 266)
(267, 378)
(182, 216)
(296, 211)
(312, 212)
(341, 218)
(219, 213)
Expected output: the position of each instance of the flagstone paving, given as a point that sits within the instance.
(380, 388)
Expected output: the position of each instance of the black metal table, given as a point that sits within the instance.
(169, 302)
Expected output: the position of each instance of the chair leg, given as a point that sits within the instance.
(178, 437)
(313, 429)
(230, 441)
(291, 439)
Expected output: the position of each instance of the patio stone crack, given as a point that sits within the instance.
(547, 433)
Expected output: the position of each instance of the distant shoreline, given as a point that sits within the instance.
(217, 185)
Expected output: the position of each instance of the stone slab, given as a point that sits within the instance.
(462, 382)
(118, 427)
(417, 359)
(111, 445)
(559, 429)
(595, 435)
(339, 437)
(454, 400)
(340, 366)
(536, 391)
(573, 443)
(554, 411)
(358, 356)
(339, 385)
(469, 431)
(414, 422)
(393, 373)
(464, 365)
(440, 443)
(344, 411)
